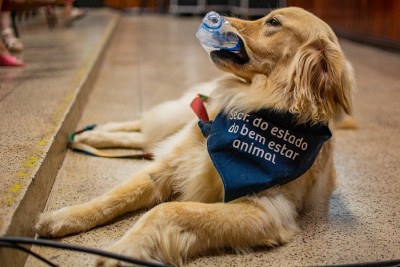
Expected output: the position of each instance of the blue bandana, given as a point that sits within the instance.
(256, 151)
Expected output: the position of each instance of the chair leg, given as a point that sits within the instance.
(14, 22)
(51, 17)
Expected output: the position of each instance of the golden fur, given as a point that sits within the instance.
(293, 63)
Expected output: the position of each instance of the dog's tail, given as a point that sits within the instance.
(346, 123)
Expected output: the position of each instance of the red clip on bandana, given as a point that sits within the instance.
(199, 108)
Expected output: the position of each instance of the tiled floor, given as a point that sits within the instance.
(154, 58)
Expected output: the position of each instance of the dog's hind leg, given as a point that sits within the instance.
(110, 139)
(139, 192)
(127, 126)
(115, 134)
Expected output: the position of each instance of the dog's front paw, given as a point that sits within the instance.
(60, 223)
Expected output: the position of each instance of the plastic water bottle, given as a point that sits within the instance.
(214, 34)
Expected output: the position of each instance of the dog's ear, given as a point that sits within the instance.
(320, 82)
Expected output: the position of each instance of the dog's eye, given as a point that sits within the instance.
(273, 22)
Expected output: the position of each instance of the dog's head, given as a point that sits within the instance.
(301, 58)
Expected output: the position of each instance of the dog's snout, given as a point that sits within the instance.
(235, 22)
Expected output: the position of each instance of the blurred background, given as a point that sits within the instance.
(372, 21)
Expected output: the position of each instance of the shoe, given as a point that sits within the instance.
(76, 14)
(12, 43)
(11, 61)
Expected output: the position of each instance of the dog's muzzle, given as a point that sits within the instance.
(238, 57)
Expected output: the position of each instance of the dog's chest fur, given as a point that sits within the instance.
(190, 171)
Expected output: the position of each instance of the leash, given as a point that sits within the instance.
(89, 150)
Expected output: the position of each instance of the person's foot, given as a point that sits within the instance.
(10, 61)
(75, 14)
(12, 43)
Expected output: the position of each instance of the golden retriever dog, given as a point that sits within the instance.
(290, 63)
